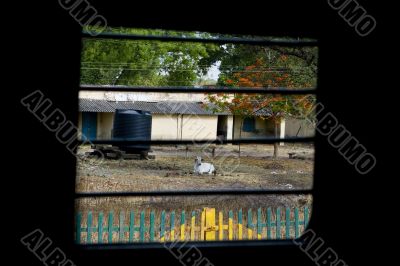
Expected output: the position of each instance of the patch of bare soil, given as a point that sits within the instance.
(173, 170)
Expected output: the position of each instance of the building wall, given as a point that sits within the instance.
(203, 127)
(79, 123)
(104, 125)
(141, 96)
(165, 127)
(263, 128)
(293, 126)
(199, 127)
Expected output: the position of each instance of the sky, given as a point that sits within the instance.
(214, 72)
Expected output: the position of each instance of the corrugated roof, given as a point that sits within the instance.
(103, 106)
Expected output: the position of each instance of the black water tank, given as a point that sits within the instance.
(132, 124)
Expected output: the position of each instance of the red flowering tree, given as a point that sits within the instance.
(273, 107)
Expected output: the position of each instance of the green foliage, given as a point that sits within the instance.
(145, 63)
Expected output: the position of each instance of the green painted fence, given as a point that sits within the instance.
(202, 225)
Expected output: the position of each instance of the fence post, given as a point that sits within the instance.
(230, 226)
(162, 227)
(89, 227)
(287, 224)
(269, 224)
(141, 227)
(305, 217)
(131, 226)
(78, 227)
(100, 228)
(210, 224)
(121, 226)
(259, 224)
(192, 225)
(202, 224)
(172, 226)
(296, 222)
(220, 225)
(110, 226)
(278, 223)
(240, 225)
(250, 225)
(183, 226)
(152, 226)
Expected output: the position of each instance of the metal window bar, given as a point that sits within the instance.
(267, 140)
(185, 89)
(236, 40)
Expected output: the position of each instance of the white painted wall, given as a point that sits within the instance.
(230, 127)
(164, 127)
(104, 125)
(141, 96)
(293, 125)
(199, 127)
(282, 132)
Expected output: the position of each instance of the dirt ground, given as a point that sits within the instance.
(173, 170)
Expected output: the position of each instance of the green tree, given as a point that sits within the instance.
(145, 63)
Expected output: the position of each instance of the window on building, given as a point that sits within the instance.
(249, 124)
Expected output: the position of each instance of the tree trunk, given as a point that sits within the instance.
(276, 144)
(240, 133)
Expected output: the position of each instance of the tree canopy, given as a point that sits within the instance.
(145, 63)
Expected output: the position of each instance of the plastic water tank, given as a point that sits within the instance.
(132, 125)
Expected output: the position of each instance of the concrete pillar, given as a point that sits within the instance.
(282, 135)
(230, 127)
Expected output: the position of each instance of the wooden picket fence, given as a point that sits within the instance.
(282, 223)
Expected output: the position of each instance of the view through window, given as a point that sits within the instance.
(183, 139)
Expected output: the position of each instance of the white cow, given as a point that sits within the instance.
(203, 168)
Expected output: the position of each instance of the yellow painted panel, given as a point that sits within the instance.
(210, 224)
(240, 231)
(193, 223)
(202, 224)
(230, 230)
(182, 232)
(220, 226)
(249, 234)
